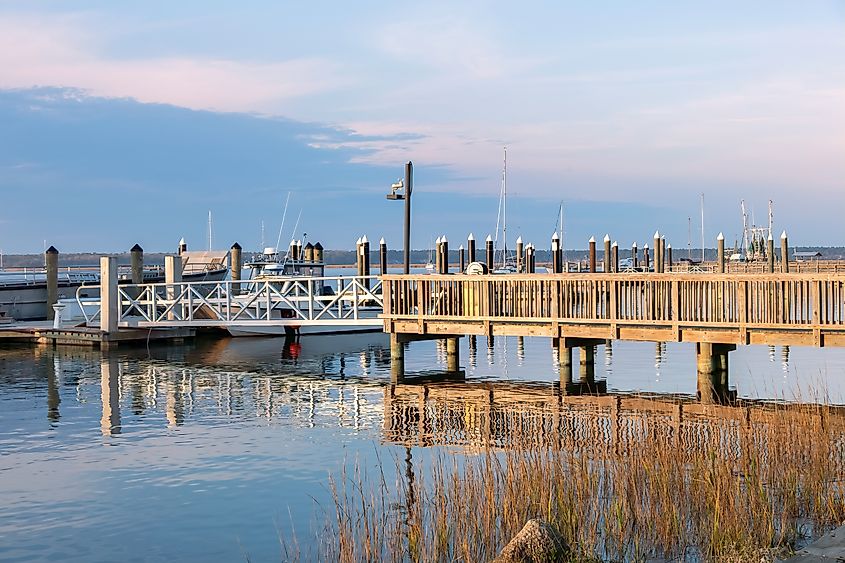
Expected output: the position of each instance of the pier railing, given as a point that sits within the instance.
(616, 302)
(332, 300)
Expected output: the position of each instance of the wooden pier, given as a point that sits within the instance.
(717, 312)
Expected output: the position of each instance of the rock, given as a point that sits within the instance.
(537, 542)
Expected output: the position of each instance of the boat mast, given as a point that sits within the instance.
(505, 208)
(702, 228)
(745, 227)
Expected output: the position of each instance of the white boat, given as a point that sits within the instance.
(23, 293)
(301, 269)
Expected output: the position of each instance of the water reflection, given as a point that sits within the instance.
(239, 428)
(110, 395)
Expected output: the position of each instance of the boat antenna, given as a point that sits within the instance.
(263, 238)
(282, 226)
(210, 231)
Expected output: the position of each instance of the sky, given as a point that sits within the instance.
(129, 122)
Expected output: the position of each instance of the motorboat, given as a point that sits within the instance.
(298, 274)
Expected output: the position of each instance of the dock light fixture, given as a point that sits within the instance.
(405, 187)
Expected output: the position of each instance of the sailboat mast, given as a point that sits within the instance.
(505, 208)
(702, 228)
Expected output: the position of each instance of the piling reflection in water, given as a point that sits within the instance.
(503, 415)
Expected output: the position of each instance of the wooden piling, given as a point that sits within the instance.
(720, 253)
(657, 266)
(438, 256)
(237, 266)
(489, 247)
(588, 364)
(109, 307)
(784, 253)
(444, 255)
(318, 253)
(606, 257)
(136, 261)
(172, 279)
(51, 262)
(770, 254)
(634, 255)
(382, 256)
(669, 256)
(614, 257)
(462, 259)
(519, 251)
(556, 265)
(471, 248)
(645, 258)
(453, 354)
(564, 363)
(397, 359)
(365, 259)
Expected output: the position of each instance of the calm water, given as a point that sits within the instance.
(216, 449)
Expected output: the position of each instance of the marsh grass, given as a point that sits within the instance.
(710, 489)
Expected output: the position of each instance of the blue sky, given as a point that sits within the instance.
(124, 123)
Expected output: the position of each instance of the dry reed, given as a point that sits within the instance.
(619, 486)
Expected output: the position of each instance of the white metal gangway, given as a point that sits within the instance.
(281, 301)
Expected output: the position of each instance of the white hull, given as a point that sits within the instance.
(288, 327)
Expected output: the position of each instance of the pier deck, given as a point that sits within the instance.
(787, 309)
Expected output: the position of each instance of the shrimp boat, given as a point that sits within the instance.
(299, 275)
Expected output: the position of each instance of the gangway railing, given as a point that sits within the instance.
(280, 301)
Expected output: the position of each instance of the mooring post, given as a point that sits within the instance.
(307, 256)
(529, 258)
(519, 250)
(606, 257)
(489, 248)
(318, 253)
(444, 255)
(784, 252)
(51, 263)
(462, 259)
(669, 256)
(172, 277)
(645, 257)
(657, 264)
(634, 257)
(109, 306)
(720, 253)
(592, 255)
(453, 354)
(382, 256)
(770, 253)
(471, 248)
(365, 259)
(358, 266)
(556, 266)
(397, 359)
(136, 261)
(237, 266)
(614, 257)
(183, 246)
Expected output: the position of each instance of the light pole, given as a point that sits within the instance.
(407, 189)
